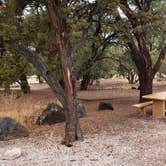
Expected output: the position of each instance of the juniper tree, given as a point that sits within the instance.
(144, 22)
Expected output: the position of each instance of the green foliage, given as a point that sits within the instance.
(11, 67)
(122, 64)
(36, 32)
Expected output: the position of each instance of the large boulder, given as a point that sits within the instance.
(53, 113)
(9, 127)
(105, 105)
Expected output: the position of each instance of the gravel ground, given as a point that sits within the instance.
(127, 148)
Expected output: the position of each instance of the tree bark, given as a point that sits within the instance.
(145, 72)
(72, 130)
(146, 83)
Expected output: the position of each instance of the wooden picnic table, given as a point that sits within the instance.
(158, 107)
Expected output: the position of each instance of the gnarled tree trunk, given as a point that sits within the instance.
(67, 97)
(72, 130)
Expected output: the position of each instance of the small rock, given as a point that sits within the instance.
(105, 105)
(11, 154)
(6, 127)
(93, 159)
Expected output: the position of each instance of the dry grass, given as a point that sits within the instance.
(23, 108)
(20, 117)
(26, 108)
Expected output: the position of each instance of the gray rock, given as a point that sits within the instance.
(52, 114)
(11, 154)
(55, 114)
(8, 126)
(105, 105)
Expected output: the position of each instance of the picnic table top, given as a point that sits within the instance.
(156, 96)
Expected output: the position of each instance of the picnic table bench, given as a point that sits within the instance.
(158, 104)
(143, 106)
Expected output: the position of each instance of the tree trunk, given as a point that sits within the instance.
(24, 84)
(2, 49)
(85, 82)
(40, 79)
(67, 99)
(146, 83)
(6, 88)
(72, 130)
(132, 78)
(143, 63)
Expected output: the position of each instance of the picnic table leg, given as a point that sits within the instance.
(158, 108)
(144, 111)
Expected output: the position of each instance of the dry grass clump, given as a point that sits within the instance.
(25, 118)
(25, 109)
